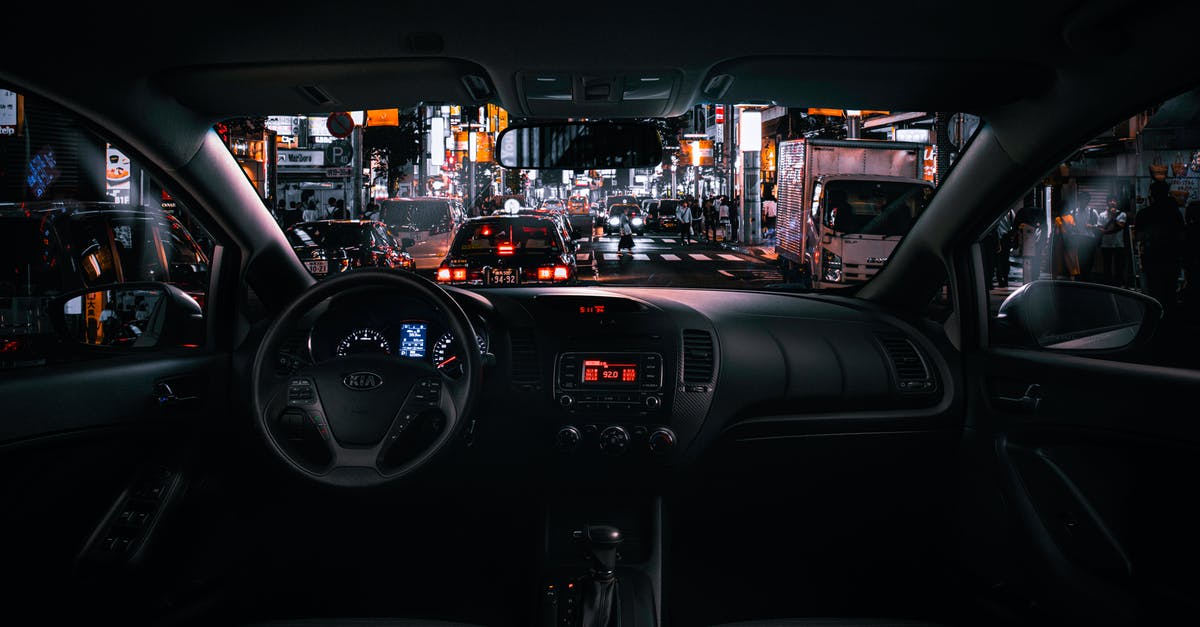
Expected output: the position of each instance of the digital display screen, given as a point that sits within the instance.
(412, 339)
(591, 309)
(598, 372)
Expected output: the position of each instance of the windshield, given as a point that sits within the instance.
(329, 235)
(514, 236)
(743, 197)
(873, 207)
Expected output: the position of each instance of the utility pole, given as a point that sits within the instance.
(421, 151)
(356, 148)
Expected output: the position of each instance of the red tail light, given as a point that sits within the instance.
(458, 274)
(443, 274)
(545, 274)
(504, 249)
(560, 273)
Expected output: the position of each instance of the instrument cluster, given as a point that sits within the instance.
(397, 326)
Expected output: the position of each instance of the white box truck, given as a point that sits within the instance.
(843, 205)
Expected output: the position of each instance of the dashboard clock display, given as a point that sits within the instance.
(364, 342)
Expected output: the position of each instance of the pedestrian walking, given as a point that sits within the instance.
(723, 214)
(625, 244)
(769, 213)
(710, 219)
(1191, 262)
(331, 209)
(1027, 243)
(1064, 246)
(1112, 243)
(292, 215)
(1087, 233)
(1160, 228)
(683, 213)
(735, 209)
(311, 212)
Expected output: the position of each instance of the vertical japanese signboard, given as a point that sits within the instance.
(9, 118)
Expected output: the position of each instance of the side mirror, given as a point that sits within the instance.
(1068, 315)
(129, 315)
(406, 242)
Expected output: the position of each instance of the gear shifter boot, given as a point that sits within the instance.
(601, 604)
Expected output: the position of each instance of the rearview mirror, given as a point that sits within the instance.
(134, 315)
(1067, 315)
(580, 146)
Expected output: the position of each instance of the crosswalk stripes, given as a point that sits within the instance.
(666, 240)
(585, 258)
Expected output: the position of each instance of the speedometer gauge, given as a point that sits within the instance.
(364, 342)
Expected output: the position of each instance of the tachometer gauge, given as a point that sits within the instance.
(364, 342)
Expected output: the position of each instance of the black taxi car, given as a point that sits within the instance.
(331, 246)
(509, 250)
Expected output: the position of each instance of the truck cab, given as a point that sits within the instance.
(858, 222)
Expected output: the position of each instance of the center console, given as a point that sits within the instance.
(613, 403)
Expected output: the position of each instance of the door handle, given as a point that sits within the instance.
(1026, 404)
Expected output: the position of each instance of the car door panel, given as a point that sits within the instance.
(73, 439)
(1095, 475)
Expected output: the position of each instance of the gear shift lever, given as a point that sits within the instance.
(601, 542)
(601, 605)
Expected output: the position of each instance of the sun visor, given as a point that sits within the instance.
(857, 83)
(233, 90)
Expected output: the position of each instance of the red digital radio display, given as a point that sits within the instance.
(599, 372)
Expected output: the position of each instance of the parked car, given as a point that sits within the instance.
(430, 222)
(49, 248)
(331, 246)
(509, 250)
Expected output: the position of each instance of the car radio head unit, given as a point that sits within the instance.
(621, 382)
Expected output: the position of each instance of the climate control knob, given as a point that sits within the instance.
(567, 439)
(661, 441)
(614, 440)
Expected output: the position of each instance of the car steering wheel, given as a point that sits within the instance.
(366, 410)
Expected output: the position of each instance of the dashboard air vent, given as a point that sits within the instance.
(912, 374)
(526, 372)
(697, 356)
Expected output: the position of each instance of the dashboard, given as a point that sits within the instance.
(631, 378)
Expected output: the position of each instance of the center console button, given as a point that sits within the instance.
(614, 440)
(567, 439)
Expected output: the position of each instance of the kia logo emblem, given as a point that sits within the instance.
(362, 381)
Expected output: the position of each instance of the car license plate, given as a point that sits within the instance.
(503, 276)
(317, 266)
